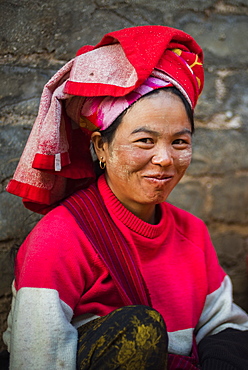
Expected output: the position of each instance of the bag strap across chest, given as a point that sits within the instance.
(93, 218)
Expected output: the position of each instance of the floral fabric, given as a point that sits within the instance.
(129, 338)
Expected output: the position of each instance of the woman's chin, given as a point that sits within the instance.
(155, 197)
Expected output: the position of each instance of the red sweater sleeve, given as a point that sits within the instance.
(53, 257)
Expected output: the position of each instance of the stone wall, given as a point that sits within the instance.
(38, 37)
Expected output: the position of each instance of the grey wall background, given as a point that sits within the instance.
(38, 37)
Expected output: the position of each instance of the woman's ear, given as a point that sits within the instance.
(99, 145)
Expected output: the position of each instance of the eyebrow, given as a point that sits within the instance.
(148, 131)
(184, 131)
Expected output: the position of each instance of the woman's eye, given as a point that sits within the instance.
(146, 140)
(181, 143)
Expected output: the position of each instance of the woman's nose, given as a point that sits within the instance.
(162, 157)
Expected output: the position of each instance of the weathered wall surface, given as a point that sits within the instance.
(37, 37)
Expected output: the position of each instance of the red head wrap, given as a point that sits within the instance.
(56, 160)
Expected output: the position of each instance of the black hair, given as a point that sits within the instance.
(108, 134)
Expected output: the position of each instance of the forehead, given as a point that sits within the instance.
(162, 110)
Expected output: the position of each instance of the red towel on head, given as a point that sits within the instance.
(56, 160)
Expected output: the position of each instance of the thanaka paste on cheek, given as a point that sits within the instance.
(185, 158)
(121, 170)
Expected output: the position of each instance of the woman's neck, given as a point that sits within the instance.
(149, 214)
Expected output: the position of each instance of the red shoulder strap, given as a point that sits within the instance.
(93, 218)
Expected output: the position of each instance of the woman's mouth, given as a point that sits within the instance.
(159, 179)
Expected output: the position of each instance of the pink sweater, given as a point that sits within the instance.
(57, 265)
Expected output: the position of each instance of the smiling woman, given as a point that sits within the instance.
(149, 153)
(113, 276)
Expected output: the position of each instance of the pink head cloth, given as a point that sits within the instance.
(88, 93)
(101, 111)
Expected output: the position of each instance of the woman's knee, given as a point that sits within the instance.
(146, 324)
(126, 338)
(138, 315)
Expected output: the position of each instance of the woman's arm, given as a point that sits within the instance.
(42, 336)
(50, 274)
(220, 312)
(222, 331)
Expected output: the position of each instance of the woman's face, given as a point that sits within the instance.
(149, 153)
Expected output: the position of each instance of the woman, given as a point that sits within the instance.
(135, 275)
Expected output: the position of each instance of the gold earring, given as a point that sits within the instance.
(102, 164)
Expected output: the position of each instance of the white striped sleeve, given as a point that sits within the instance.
(220, 312)
(42, 336)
